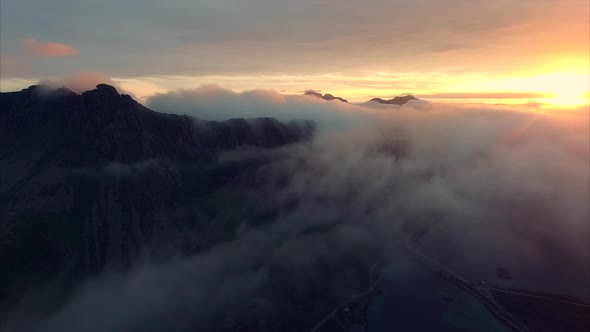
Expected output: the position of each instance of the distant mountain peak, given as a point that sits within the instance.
(327, 96)
(37, 87)
(107, 88)
(103, 90)
(313, 93)
(399, 100)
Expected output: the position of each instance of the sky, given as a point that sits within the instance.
(501, 51)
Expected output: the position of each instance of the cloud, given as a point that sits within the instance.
(47, 49)
(474, 186)
(85, 80)
(487, 165)
(487, 95)
(231, 279)
(211, 102)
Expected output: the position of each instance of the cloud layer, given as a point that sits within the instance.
(212, 102)
(476, 187)
(510, 183)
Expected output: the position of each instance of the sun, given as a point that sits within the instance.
(569, 99)
(560, 89)
(563, 89)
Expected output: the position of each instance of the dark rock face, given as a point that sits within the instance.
(327, 96)
(96, 180)
(399, 100)
(95, 186)
(102, 125)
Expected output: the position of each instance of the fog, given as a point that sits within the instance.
(211, 102)
(475, 186)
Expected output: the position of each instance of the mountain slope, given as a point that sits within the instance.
(106, 205)
(96, 180)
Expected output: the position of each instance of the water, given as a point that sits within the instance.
(415, 298)
(534, 266)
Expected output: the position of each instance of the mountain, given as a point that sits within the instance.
(327, 96)
(101, 125)
(96, 180)
(109, 208)
(399, 100)
(96, 189)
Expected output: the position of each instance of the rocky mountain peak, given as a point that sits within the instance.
(106, 89)
(327, 96)
(102, 92)
(399, 100)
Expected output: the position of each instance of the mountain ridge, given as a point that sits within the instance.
(327, 96)
(398, 100)
(93, 180)
(120, 129)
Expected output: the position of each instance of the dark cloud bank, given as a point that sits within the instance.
(484, 186)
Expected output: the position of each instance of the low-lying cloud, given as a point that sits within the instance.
(211, 102)
(511, 181)
(474, 186)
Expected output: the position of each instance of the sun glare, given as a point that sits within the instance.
(564, 89)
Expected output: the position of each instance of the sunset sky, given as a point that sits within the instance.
(501, 51)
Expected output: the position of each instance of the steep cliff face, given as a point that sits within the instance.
(97, 180)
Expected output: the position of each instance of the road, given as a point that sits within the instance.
(479, 292)
(331, 314)
(535, 296)
(482, 292)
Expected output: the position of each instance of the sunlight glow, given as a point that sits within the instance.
(565, 89)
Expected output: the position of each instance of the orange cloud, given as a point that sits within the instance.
(47, 49)
(487, 95)
(87, 80)
(83, 81)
